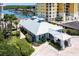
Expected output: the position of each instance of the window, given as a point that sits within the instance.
(49, 3)
(53, 9)
(67, 11)
(49, 12)
(49, 15)
(50, 9)
(67, 5)
(66, 8)
(67, 14)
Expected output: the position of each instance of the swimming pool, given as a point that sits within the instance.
(18, 15)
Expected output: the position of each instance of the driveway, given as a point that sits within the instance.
(47, 50)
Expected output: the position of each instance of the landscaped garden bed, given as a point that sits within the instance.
(14, 46)
(41, 41)
(55, 45)
(24, 47)
(71, 31)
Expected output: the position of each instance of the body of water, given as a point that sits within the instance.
(18, 14)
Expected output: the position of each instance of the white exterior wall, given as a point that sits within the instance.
(76, 15)
(62, 44)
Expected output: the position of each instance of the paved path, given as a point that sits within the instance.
(22, 36)
(73, 50)
(47, 50)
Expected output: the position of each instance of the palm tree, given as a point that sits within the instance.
(16, 23)
(9, 19)
(5, 30)
(6, 18)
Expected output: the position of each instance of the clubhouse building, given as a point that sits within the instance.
(39, 29)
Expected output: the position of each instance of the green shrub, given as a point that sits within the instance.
(71, 31)
(23, 30)
(29, 38)
(42, 40)
(8, 50)
(13, 33)
(59, 18)
(25, 48)
(1, 36)
(15, 47)
(16, 33)
(56, 45)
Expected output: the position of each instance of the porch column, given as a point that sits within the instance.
(55, 39)
(62, 44)
(69, 42)
(37, 38)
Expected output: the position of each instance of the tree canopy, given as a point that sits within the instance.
(16, 7)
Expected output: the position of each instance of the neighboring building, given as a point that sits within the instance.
(1, 11)
(70, 11)
(47, 10)
(41, 30)
(61, 10)
(54, 11)
(41, 9)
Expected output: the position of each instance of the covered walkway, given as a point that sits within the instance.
(63, 37)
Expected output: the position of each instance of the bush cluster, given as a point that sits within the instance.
(25, 48)
(71, 31)
(15, 47)
(9, 50)
(56, 45)
(42, 40)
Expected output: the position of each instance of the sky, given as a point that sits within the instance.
(19, 3)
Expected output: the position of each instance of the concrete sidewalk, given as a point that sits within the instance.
(47, 50)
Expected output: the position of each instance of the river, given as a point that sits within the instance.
(17, 14)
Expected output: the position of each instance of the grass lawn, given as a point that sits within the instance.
(13, 41)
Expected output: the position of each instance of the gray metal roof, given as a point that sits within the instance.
(74, 25)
